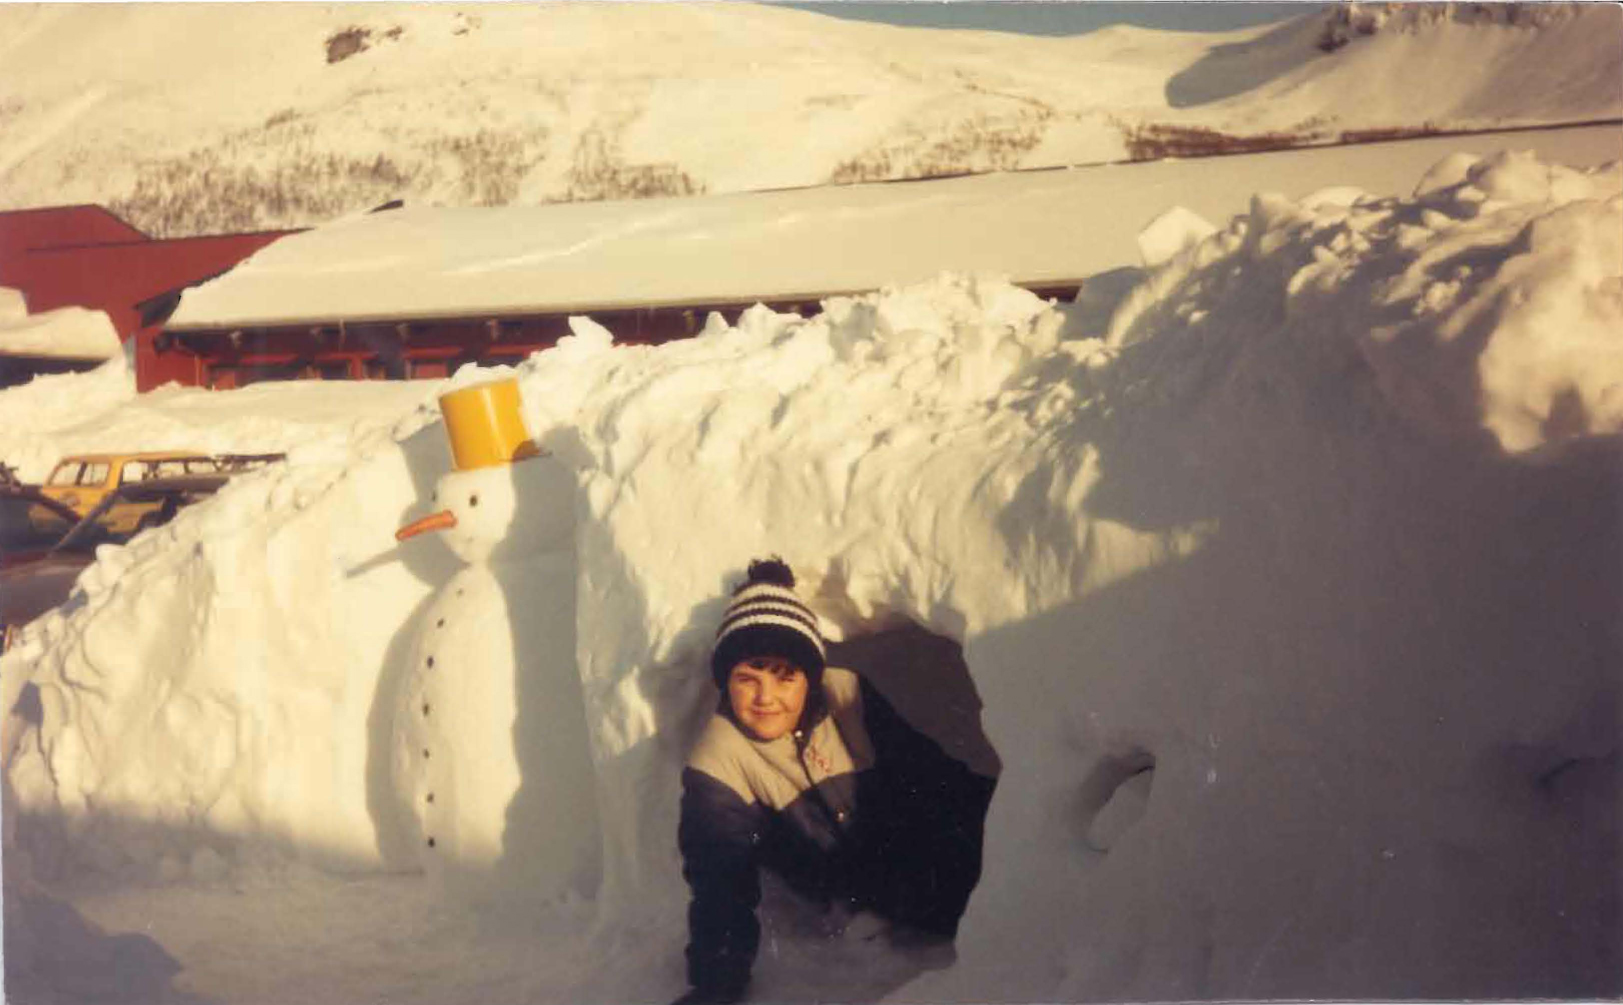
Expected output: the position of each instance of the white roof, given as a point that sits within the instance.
(578, 256)
(1028, 227)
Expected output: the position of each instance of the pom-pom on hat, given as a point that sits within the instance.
(766, 618)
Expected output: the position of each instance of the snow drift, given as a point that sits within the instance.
(1290, 595)
(65, 333)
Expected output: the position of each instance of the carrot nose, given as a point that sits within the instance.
(443, 520)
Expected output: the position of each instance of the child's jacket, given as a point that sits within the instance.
(858, 807)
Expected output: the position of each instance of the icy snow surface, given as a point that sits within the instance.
(1288, 579)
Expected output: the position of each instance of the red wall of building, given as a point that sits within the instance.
(117, 277)
(84, 256)
(57, 226)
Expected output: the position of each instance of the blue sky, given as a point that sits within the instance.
(1057, 17)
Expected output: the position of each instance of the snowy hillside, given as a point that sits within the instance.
(1287, 578)
(188, 118)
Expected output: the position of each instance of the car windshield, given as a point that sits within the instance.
(66, 474)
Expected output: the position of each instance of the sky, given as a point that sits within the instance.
(1057, 17)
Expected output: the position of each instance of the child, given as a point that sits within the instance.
(808, 771)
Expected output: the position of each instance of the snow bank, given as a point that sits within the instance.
(1488, 304)
(30, 414)
(65, 333)
(99, 412)
(1305, 683)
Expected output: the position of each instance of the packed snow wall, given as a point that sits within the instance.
(1290, 588)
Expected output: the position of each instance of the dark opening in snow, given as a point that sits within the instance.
(926, 679)
(1114, 796)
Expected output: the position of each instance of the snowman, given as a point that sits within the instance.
(490, 745)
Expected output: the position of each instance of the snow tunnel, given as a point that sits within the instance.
(924, 675)
(926, 680)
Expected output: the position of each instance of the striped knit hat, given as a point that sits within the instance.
(766, 618)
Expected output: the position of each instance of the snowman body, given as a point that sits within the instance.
(490, 742)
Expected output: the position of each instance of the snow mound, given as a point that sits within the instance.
(1304, 683)
(1171, 232)
(1488, 305)
(65, 333)
(31, 413)
(100, 412)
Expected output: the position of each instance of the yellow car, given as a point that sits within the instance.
(82, 481)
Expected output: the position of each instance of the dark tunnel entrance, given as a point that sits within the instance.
(924, 675)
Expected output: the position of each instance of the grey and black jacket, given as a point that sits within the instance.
(854, 806)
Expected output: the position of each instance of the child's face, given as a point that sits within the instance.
(768, 694)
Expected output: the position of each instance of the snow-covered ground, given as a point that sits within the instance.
(189, 118)
(1287, 573)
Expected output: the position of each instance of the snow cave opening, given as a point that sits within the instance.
(925, 677)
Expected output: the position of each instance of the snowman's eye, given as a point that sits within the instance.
(473, 500)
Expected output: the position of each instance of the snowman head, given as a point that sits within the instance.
(504, 496)
(507, 509)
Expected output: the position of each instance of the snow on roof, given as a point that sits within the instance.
(65, 333)
(578, 256)
(1045, 227)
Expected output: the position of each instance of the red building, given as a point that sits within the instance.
(85, 256)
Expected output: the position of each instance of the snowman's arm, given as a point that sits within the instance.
(718, 837)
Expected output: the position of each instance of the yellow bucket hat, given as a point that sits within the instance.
(485, 426)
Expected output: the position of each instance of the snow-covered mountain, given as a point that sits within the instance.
(189, 118)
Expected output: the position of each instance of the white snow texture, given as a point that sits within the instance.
(1290, 593)
(447, 104)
